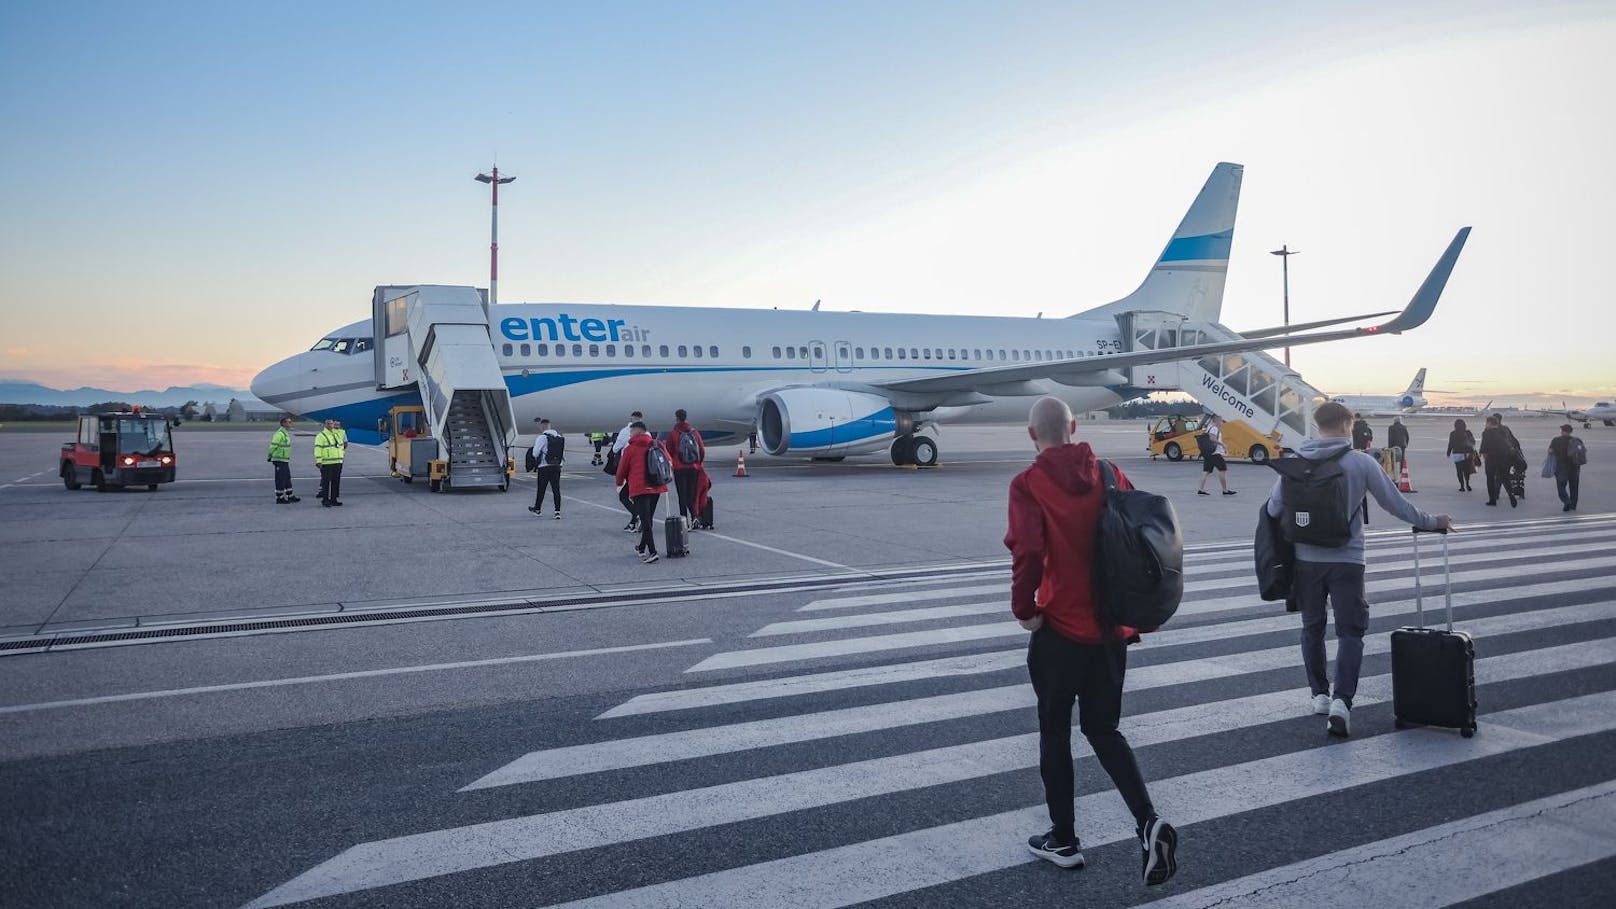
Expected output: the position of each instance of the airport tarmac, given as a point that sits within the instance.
(214, 545)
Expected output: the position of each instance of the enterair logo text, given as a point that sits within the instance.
(567, 328)
(1218, 389)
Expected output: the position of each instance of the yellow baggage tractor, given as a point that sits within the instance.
(1173, 438)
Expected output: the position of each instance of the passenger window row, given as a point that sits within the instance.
(795, 352)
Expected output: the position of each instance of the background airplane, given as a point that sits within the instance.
(1410, 401)
(815, 383)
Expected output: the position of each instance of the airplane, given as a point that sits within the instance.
(1603, 411)
(828, 384)
(1412, 400)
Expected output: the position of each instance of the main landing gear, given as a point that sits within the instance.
(920, 451)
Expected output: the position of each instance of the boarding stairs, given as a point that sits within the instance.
(1248, 385)
(436, 339)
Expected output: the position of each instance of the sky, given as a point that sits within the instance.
(189, 192)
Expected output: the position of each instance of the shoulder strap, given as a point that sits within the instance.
(1108, 476)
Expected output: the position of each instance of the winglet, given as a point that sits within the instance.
(1419, 308)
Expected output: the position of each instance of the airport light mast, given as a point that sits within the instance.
(1285, 253)
(493, 181)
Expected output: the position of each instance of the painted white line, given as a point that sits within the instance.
(881, 599)
(1477, 856)
(524, 838)
(700, 534)
(1399, 547)
(342, 676)
(791, 686)
(867, 619)
(732, 659)
(1432, 568)
(940, 855)
(618, 754)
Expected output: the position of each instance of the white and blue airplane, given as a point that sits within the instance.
(1411, 401)
(827, 384)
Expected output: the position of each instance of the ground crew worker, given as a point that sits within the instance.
(597, 439)
(329, 445)
(280, 455)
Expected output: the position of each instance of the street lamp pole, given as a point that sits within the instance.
(493, 182)
(1285, 253)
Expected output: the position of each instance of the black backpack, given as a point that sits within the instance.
(1138, 557)
(658, 469)
(1275, 558)
(553, 450)
(532, 462)
(1315, 494)
(689, 448)
(1208, 447)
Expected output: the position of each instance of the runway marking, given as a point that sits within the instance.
(865, 619)
(1479, 855)
(640, 751)
(709, 533)
(900, 597)
(342, 676)
(1171, 637)
(1289, 777)
(907, 862)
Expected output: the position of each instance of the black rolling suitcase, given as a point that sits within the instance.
(675, 540)
(1434, 671)
(707, 514)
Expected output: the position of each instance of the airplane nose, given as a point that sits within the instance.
(274, 382)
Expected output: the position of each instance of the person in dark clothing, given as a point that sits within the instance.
(1519, 466)
(1462, 452)
(547, 451)
(1054, 509)
(1397, 437)
(1499, 452)
(1362, 435)
(1569, 456)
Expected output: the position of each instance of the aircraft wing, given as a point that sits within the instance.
(1102, 370)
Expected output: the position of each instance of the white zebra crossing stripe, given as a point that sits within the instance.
(421, 856)
(1476, 856)
(1169, 636)
(1559, 555)
(903, 596)
(910, 861)
(640, 751)
(867, 619)
(996, 661)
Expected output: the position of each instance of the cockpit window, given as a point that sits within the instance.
(344, 345)
(325, 344)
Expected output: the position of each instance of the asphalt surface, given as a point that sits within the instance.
(799, 744)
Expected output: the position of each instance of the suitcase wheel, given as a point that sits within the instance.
(1468, 732)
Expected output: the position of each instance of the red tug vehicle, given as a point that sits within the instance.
(114, 450)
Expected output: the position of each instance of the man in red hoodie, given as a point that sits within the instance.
(644, 494)
(1054, 508)
(685, 440)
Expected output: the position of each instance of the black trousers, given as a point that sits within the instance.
(1497, 471)
(1064, 671)
(283, 479)
(549, 478)
(331, 481)
(628, 503)
(645, 510)
(684, 483)
(1567, 482)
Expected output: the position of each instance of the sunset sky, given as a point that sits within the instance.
(191, 191)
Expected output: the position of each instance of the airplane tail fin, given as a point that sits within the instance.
(1188, 276)
(1417, 387)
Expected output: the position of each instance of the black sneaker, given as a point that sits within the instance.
(558, 516)
(291, 499)
(1228, 492)
(1046, 847)
(1159, 842)
(650, 558)
(631, 527)
(534, 509)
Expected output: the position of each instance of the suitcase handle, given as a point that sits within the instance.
(1447, 576)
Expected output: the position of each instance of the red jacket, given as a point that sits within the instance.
(631, 466)
(673, 445)
(1054, 507)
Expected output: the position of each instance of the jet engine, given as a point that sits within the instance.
(828, 422)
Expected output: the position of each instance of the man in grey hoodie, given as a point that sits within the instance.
(1336, 573)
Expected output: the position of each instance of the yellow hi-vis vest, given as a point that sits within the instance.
(328, 447)
(280, 445)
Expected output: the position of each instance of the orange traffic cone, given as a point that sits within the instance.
(740, 462)
(1403, 485)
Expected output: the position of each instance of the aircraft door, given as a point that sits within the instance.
(817, 359)
(844, 356)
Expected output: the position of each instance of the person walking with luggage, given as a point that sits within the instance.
(1462, 452)
(688, 451)
(548, 449)
(1362, 435)
(1319, 499)
(280, 457)
(1397, 437)
(1499, 452)
(1054, 510)
(616, 454)
(643, 491)
(1569, 455)
(1214, 455)
(330, 445)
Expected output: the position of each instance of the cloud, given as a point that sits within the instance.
(137, 375)
(18, 352)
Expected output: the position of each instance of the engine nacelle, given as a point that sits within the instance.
(828, 422)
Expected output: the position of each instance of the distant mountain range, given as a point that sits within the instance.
(19, 392)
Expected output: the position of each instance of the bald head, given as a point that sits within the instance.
(1050, 422)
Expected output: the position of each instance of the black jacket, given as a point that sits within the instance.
(1397, 435)
(1461, 441)
(1498, 443)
